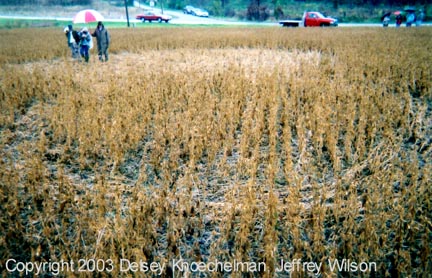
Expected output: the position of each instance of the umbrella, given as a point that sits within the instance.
(410, 9)
(398, 13)
(385, 15)
(86, 16)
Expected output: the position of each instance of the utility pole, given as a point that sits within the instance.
(162, 6)
(127, 13)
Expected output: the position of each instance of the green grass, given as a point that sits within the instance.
(34, 23)
(28, 23)
(39, 23)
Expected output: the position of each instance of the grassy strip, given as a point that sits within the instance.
(28, 23)
(44, 23)
(40, 23)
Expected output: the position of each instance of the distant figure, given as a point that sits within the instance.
(103, 41)
(398, 20)
(72, 41)
(86, 44)
(385, 19)
(420, 18)
(410, 19)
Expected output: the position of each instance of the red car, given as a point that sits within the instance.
(317, 19)
(152, 16)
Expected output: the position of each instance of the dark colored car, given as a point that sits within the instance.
(152, 16)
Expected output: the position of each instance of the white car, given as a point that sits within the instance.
(200, 12)
(188, 9)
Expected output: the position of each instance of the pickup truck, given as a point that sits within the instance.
(310, 19)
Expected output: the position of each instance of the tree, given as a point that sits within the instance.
(256, 11)
(278, 12)
(217, 8)
(47, 2)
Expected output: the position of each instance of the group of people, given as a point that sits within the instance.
(410, 18)
(80, 42)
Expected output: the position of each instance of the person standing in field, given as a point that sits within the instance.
(86, 44)
(411, 18)
(103, 41)
(385, 18)
(420, 18)
(398, 20)
(72, 40)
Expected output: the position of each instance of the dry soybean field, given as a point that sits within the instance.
(217, 152)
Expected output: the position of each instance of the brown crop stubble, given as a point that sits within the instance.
(220, 144)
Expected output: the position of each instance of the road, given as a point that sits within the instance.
(178, 17)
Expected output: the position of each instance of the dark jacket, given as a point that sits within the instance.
(102, 37)
(68, 32)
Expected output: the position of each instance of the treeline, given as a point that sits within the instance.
(336, 3)
(275, 3)
(223, 3)
(46, 2)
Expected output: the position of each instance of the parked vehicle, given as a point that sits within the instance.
(200, 12)
(188, 9)
(152, 16)
(195, 11)
(310, 19)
